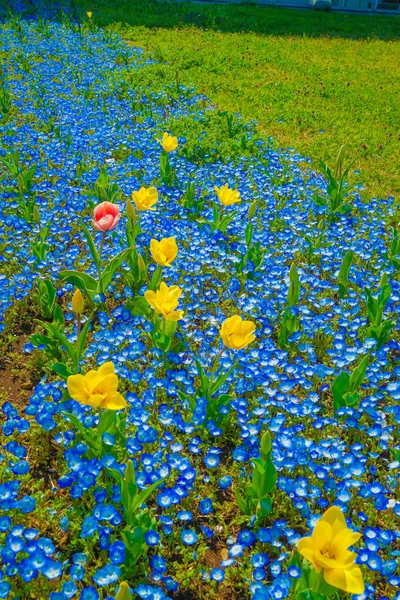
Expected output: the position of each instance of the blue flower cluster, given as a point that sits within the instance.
(72, 109)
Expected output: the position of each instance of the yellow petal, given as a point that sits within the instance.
(343, 540)
(305, 548)
(108, 385)
(174, 316)
(114, 402)
(348, 580)
(77, 388)
(94, 400)
(106, 369)
(322, 536)
(335, 518)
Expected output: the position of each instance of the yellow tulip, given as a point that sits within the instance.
(169, 142)
(327, 550)
(124, 592)
(164, 252)
(97, 389)
(226, 196)
(236, 333)
(145, 198)
(89, 14)
(130, 211)
(165, 300)
(78, 304)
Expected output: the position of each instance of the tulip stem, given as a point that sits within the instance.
(77, 341)
(215, 366)
(319, 582)
(103, 237)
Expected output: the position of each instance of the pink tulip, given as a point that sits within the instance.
(106, 216)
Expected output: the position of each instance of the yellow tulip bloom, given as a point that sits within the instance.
(327, 549)
(236, 333)
(169, 142)
(165, 300)
(97, 389)
(164, 252)
(78, 304)
(145, 198)
(89, 14)
(226, 196)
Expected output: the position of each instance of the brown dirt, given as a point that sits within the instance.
(16, 389)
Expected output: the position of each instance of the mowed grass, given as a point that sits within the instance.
(313, 81)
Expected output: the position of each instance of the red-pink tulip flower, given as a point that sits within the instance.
(106, 216)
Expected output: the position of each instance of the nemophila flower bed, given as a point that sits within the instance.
(210, 337)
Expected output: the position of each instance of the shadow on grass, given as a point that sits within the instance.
(264, 20)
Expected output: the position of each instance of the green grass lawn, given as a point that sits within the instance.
(311, 80)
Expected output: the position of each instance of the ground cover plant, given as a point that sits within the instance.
(314, 81)
(199, 353)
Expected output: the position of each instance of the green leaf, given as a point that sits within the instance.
(110, 269)
(219, 382)
(82, 339)
(138, 306)
(294, 287)
(343, 276)
(358, 375)
(92, 247)
(84, 282)
(343, 209)
(319, 200)
(266, 506)
(54, 332)
(203, 378)
(144, 494)
(242, 504)
(340, 386)
(62, 369)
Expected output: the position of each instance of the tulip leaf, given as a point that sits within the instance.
(110, 269)
(266, 506)
(54, 332)
(62, 369)
(358, 375)
(340, 387)
(221, 379)
(138, 306)
(241, 502)
(83, 281)
(92, 247)
(144, 494)
(80, 344)
(203, 379)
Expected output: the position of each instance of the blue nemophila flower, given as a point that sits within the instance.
(107, 575)
(152, 538)
(225, 482)
(189, 537)
(89, 593)
(217, 575)
(206, 506)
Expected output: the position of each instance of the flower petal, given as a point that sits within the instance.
(348, 580)
(77, 388)
(115, 402)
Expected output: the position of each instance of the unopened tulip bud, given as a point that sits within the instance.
(36, 214)
(384, 280)
(252, 210)
(78, 304)
(141, 264)
(340, 157)
(130, 211)
(266, 444)
(124, 592)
